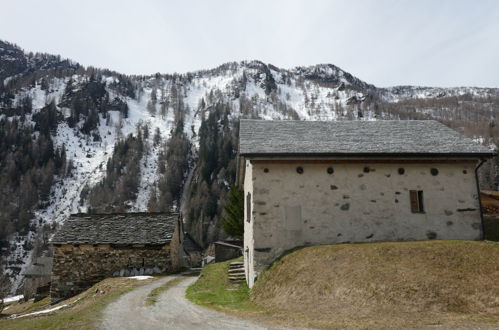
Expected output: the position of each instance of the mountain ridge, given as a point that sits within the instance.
(303, 69)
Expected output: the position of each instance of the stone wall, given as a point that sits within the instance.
(34, 287)
(223, 253)
(360, 201)
(177, 252)
(76, 268)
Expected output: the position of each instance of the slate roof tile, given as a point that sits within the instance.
(123, 228)
(382, 137)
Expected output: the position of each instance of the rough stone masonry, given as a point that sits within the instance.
(89, 248)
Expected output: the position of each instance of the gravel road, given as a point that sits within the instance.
(172, 311)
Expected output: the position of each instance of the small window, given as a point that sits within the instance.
(417, 205)
(248, 207)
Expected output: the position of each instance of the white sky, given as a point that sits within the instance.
(423, 42)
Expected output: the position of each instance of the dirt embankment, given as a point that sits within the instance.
(450, 284)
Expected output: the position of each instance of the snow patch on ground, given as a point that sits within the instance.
(10, 300)
(140, 277)
(45, 311)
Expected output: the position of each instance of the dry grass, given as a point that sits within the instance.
(83, 312)
(26, 307)
(385, 285)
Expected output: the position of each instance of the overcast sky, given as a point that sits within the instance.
(432, 43)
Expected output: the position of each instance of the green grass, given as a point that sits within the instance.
(83, 314)
(152, 297)
(213, 289)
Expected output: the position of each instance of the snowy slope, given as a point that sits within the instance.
(252, 89)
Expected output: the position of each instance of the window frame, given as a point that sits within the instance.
(416, 198)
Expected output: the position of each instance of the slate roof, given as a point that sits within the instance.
(120, 229)
(363, 138)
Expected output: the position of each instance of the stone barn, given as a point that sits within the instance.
(309, 183)
(37, 278)
(91, 247)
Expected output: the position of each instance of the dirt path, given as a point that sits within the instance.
(172, 311)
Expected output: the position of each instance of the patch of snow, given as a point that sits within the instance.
(140, 277)
(9, 300)
(45, 311)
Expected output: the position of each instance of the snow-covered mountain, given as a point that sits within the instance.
(185, 127)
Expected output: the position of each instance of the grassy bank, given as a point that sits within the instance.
(213, 289)
(84, 310)
(445, 284)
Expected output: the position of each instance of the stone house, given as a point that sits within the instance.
(309, 183)
(91, 247)
(37, 278)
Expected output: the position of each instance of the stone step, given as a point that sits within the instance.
(236, 267)
(236, 263)
(237, 279)
(237, 276)
(236, 270)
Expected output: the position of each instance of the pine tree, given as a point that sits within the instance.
(233, 217)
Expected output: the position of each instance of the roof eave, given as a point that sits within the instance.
(108, 243)
(468, 155)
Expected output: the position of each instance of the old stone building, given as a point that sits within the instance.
(37, 278)
(91, 247)
(309, 183)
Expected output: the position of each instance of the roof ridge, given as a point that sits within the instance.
(123, 213)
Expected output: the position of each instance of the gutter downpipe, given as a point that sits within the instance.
(482, 161)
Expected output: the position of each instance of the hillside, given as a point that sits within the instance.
(447, 284)
(76, 139)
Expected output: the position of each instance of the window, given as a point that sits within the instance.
(248, 207)
(416, 201)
